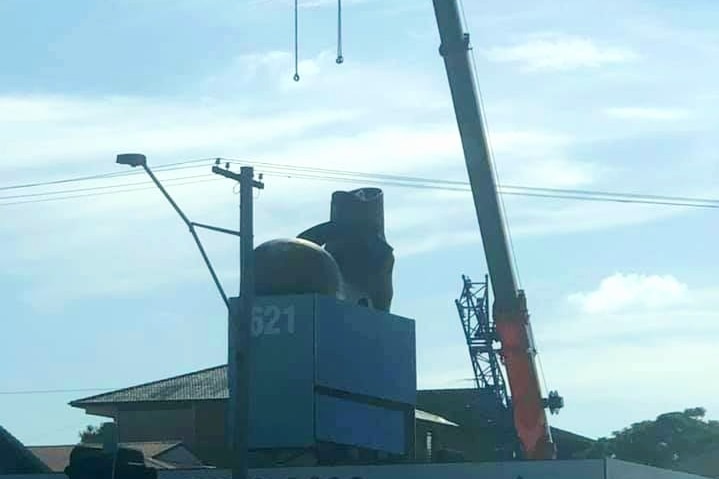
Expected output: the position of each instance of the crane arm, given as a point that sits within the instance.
(509, 309)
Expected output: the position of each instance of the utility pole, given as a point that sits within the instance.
(240, 320)
(240, 308)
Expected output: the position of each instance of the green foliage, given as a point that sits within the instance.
(92, 434)
(666, 440)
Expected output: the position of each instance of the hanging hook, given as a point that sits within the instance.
(297, 74)
(340, 58)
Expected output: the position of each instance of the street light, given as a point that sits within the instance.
(137, 159)
(239, 315)
(132, 159)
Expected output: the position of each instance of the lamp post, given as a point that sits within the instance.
(239, 309)
(240, 320)
(137, 159)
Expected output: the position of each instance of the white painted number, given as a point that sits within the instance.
(257, 321)
(268, 320)
(272, 315)
(289, 312)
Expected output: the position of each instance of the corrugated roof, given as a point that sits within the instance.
(57, 457)
(456, 406)
(210, 383)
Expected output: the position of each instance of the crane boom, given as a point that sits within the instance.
(509, 309)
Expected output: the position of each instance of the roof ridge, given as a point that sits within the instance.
(77, 402)
(171, 442)
(167, 445)
(51, 445)
(168, 441)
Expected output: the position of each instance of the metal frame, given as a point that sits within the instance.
(481, 336)
(485, 354)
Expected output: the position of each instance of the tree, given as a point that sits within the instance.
(92, 434)
(662, 442)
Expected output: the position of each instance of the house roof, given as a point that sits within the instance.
(447, 406)
(206, 384)
(58, 457)
(16, 458)
(55, 457)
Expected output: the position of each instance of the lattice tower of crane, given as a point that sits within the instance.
(484, 352)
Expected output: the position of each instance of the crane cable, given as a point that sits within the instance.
(340, 59)
(297, 12)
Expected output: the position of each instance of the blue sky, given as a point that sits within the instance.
(109, 291)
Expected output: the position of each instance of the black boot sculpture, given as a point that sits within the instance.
(355, 238)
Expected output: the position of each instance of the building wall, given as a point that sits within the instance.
(201, 426)
(474, 446)
(210, 442)
(157, 424)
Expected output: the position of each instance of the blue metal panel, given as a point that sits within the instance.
(282, 372)
(364, 351)
(344, 421)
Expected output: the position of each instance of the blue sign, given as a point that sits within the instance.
(323, 370)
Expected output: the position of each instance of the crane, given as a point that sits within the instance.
(510, 306)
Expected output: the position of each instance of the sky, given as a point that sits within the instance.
(108, 291)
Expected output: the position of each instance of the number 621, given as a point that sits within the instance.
(272, 320)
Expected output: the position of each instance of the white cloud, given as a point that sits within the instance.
(594, 359)
(68, 130)
(647, 113)
(688, 39)
(622, 291)
(633, 309)
(513, 141)
(630, 382)
(300, 126)
(532, 216)
(387, 147)
(560, 52)
(631, 333)
(709, 96)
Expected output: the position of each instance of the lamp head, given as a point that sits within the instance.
(132, 159)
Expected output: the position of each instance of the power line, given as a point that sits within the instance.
(511, 193)
(100, 176)
(455, 185)
(613, 200)
(614, 194)
(94, 188)
(522, 191)
(86, 195)
(325, 174)
(52, 391)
